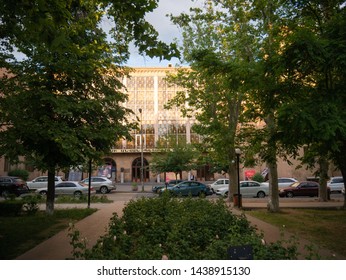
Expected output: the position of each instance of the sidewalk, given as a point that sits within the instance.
(92, 227)
(58, 247)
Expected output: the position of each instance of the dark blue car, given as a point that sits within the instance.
(187, 188)
(170, 183)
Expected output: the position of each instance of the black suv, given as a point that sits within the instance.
(12, 185)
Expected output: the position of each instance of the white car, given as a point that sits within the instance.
(41, 182)
(100, 184)
(336, 184)
(248, 189)
(68, 188)
(220, 183)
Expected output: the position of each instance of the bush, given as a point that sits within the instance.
(258, 178)
(21, 173)
(31, 204)
(188, 228)
(11, 207)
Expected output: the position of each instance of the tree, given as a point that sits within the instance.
(61, 102)
(218, 44)
(315, 59)
(177, 158)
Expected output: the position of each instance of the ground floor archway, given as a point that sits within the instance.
(136, 170)
(108, 169)
(204, 174)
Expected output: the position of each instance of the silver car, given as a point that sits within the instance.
(100, 184)
(283, 182)
(68, 188)
(248, 189)
(336, 184)
(41, 182)
(220, 183)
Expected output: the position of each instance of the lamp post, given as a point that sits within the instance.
(142, 158)
(238, 152)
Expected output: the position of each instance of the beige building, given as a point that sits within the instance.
(148, 92)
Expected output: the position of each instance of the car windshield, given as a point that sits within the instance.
(294, 185)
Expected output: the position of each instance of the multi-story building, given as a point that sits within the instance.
(148, 92)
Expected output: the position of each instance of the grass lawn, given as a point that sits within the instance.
(19, 234)
(325, 227)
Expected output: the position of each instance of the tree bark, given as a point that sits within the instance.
(323, 191)
(273, 202)
(233, 177)
(340, 160)
(51, 192)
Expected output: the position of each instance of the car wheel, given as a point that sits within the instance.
(226, 194)
(43, 193)
(5, 194)
(77, 194)
(261, 195)
(103, 190)
(202, 194)
(289, 194)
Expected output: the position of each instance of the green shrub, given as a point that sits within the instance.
(11, 207)
(82, 199)
(31, 202)
(21, 173)
(258, 178)
(188, 228)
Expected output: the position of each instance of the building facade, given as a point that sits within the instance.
(148, 92)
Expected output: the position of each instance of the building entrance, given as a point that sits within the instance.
(136, 170)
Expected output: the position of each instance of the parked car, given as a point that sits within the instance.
(186, 188)
(100, 184)
(12, 185)
(170, 183)
(336, 184)
(68, 188)
(41, 182)
(219, 183)
(343, 190)
(305, 188)
(284, 182)
(248, 189)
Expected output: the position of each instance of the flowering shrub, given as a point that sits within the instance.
(175, 228)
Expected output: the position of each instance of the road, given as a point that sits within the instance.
(124, 193)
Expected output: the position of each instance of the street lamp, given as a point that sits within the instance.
(142, 158)
(238, 152)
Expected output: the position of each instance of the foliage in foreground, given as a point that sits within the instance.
(156, 228)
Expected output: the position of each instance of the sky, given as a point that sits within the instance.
(167, 31)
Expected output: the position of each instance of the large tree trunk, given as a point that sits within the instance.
(233, 177)
(51, 192)
(343, 173)
(340, 161)
(323, 191)
(273, 202)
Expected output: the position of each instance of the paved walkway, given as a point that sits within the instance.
(58, 247)
(92, 227)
